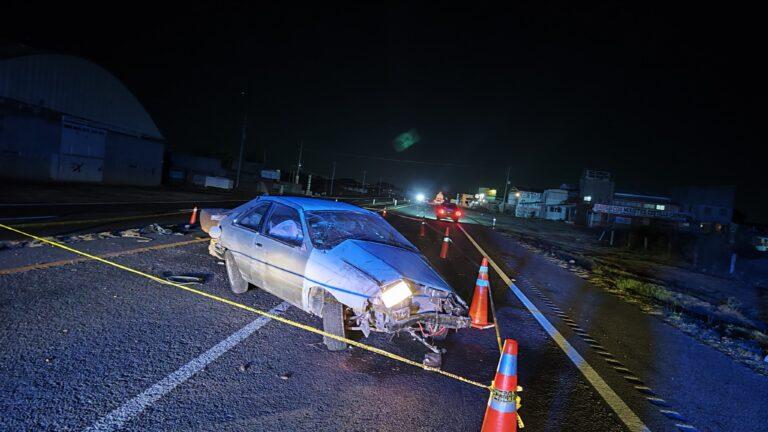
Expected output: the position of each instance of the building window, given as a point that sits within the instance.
(660, 207)
(587, 198)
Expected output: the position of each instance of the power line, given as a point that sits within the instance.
(411, 161)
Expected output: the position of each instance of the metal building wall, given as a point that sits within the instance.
(29, 146)
(63, 118)
(132, 160)
(74, 86)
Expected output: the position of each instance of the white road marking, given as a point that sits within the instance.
(117, 418)
(625, 413)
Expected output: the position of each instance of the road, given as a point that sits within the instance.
(87, 345)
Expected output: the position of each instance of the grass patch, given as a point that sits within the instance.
(645, 289)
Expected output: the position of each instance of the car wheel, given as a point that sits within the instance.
(333, 323)
(237, 284)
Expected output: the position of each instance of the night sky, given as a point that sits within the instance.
(658, 95)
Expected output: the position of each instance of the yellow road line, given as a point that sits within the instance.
(60, 263)
(251, 309)
(89, 221)
(624, 412)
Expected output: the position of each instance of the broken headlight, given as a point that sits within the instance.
(395, 294)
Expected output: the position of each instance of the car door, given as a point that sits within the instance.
(286, 251)
(248, 247)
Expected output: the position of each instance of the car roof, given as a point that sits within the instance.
(311, 204)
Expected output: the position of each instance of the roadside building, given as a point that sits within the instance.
(596, 187)
(630, 210)
(555, 205)
(709, 209)
(529, 203)
(64, 118)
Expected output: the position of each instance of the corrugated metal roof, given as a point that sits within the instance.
(74, 86)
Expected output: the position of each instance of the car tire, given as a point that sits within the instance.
(333, 323)
(237, 284)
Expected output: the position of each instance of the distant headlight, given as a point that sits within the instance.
(395, 294)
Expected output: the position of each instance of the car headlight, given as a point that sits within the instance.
(395, 294)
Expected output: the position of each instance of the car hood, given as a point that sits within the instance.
(385, 263)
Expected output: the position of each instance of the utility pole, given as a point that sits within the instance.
(506, 185)
(333, 175)
(244, 94)
(298, 166)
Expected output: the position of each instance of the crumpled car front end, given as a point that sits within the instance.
(408, 306)
(389, 290)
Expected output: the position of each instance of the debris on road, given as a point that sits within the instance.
(286, 375)
(156, 228)
(186, 279)
(432, 359)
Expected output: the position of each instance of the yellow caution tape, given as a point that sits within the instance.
(254, 310)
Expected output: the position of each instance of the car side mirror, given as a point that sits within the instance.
(215, 232)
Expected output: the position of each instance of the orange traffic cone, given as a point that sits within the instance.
(478, 310)
(422, 228)
(446, 240)
(384, 212)
(193, 218)
(501, 413)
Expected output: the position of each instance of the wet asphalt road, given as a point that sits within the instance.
(79, 341)
(665, 376)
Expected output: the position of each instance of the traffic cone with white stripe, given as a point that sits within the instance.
(446, 240)
(193, 217)
(478, 310)
(501, 412)
(422, 228)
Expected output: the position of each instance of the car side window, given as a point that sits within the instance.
(284, 224)
(254, 218)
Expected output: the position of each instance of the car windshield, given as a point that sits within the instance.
(329, 228)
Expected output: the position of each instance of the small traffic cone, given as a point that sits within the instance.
(422, 228)
(478, 310)
(193, 218)
(501, 413)
(384, 212)
(446, 240)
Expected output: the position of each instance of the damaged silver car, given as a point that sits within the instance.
(337, 261)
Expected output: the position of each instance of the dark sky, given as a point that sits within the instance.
(658, 95)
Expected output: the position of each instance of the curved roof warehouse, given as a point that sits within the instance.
(64, 118)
